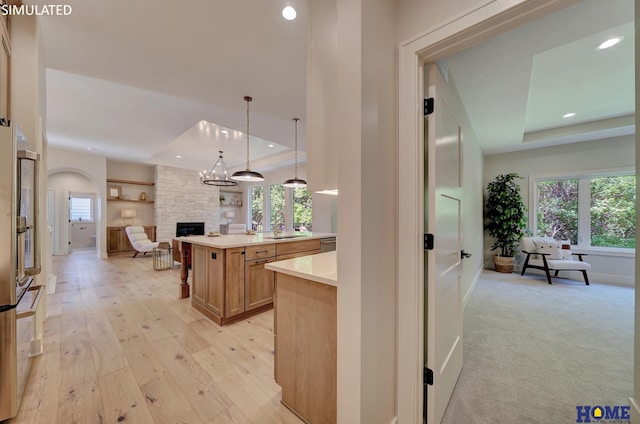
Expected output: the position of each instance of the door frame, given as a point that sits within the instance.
(460, 33)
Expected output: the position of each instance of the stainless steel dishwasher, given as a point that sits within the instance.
(327, 244)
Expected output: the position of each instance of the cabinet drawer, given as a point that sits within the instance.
(298, 246)
(259, 252)
(297, 255)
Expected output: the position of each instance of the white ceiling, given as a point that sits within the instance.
(133, 80)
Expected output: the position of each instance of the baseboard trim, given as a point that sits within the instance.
(469, 292)
(635, 411)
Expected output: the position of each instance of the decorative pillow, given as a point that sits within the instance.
(565, 249)
(551, 248)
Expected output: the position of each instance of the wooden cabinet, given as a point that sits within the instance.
(218, 282)
(259, 283)
(118, 242)
(305, 345)
(199, 274)
(235, 282)
(295, 249)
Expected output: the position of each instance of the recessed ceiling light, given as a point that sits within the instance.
(271, 145)
(568, 115)
(609, 43)
(93, 149)
(224, 132)
(179, 157)
(289, 13)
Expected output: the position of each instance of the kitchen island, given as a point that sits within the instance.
(305, 335)
(229, 280)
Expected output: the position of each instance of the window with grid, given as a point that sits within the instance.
(591, 211)
(81, 208)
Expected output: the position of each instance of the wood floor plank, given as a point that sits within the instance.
(206, 397)
(79, 399)
(122, 399)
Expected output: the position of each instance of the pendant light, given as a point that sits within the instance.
(295, 182)
(219, 179)
(247, 175)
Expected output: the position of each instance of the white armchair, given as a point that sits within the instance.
(139, 240)
(547, 254)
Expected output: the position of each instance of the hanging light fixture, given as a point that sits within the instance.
(219, 179)
(295, 182)
(247, 174)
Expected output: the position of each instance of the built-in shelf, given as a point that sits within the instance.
(144, 183)
(130, 200)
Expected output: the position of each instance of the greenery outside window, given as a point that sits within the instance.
(275, 206)
(257, 209)
(591, 211)
(302, 204)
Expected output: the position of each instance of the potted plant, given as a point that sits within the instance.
(505, 219)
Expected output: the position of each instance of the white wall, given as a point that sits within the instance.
(352, 106)
(62, 183)
(606, 154)
(93, 167)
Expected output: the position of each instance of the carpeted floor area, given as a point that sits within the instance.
(533, 351)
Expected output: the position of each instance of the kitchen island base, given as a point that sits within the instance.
(305, 331)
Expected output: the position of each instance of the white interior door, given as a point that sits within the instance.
(443, 264)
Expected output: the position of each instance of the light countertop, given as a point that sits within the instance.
(321, 268)
(225, 241)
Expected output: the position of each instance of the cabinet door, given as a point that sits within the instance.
(125, 244)
(259, 284)
(234, 293)
(214, 298)
(198, 273)
(113, 239)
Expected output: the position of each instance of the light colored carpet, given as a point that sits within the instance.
(533, 351)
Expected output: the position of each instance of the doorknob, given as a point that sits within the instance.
(464, 254)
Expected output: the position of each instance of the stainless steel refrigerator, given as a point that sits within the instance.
(19, 262)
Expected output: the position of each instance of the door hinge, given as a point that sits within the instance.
(428, 376)
(428, 106)
(428, 241)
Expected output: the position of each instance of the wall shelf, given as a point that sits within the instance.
(130, 200)
(144, 183)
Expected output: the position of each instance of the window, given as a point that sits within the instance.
(590, 211)
(81, 208)
(301, 209)
(257, 209)
(275, 206)
(278, 207)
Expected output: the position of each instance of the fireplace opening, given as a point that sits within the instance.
(189, 229)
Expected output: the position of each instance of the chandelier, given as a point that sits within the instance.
(218, 175)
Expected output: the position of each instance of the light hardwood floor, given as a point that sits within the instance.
(120, 346)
